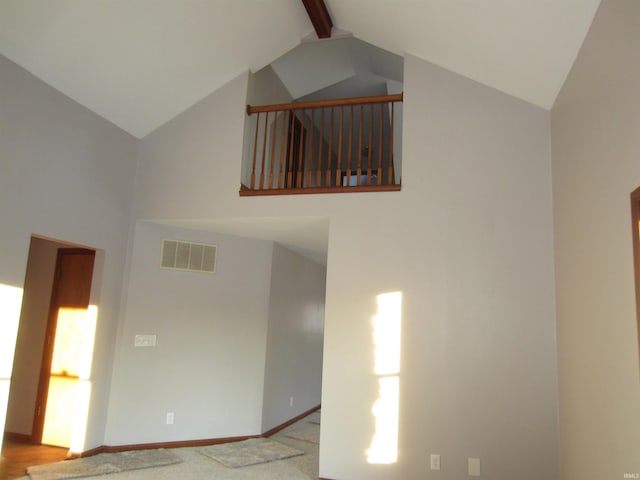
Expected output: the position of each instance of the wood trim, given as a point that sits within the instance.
(319, 16)
(190, 443)
(18, 437)
(284, 425)
(37, 428)
(398, 97)
(247, 192)
(635, 230)
(176, 444)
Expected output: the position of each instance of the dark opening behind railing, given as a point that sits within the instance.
(322, 147)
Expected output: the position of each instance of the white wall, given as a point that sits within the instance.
(295, 337)
(596, 152)
(468, 242)
(208, 366)
(66, 174)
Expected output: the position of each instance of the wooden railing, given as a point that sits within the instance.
(326, 146)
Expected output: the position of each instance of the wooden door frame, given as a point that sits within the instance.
(47, 351)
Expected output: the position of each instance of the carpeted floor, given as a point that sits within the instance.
(250, 452)
(302, 436)
(103, 464)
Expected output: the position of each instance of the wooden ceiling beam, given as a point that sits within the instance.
(319, 16)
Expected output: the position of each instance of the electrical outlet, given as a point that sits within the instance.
(170, 418)
(291, 401)
(435, 462)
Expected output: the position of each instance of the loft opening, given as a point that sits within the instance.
(325, 117)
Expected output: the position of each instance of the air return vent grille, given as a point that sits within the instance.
(189, 256)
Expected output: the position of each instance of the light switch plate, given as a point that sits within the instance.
(145, 341)
(435, 461)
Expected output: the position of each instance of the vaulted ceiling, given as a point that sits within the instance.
(139, 63)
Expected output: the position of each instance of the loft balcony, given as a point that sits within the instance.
(327, 146)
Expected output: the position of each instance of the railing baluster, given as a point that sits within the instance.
(273, 164)
(380, 144)
(292, 128)
(349, 150)
(300, 154)
(330, 143)
(255, 153)
(309, 165)
(264, 150)
(320, 142)
(390, 179)
(283, 142)
(370, 144)
(359, 157)
(339, 169)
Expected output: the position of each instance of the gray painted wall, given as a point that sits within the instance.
(66, 174)
(293, 369)
(222, 340)
(208, 366)
(468, 241)
(596, 151)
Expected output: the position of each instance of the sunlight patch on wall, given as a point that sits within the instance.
(384, 446)
(386, 334)
(387, 343)
(80, 417)
(69, 385)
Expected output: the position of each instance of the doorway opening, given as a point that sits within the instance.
(51, 386)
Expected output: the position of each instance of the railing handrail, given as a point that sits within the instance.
(398, 97)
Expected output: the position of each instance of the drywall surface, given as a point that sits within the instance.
(211, 329)
(66, 174)
(467, 243)
(293, 372)
(596, 165)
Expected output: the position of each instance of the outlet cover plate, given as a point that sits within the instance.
(474, 467)
(145, 340)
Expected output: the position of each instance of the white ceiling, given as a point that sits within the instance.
(139, 63)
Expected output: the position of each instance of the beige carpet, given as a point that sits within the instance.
(307, 433)
(102, 464)
(196, 466)
(250, 452)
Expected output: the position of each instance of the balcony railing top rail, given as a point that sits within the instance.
(328, 146)
(338, 102)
